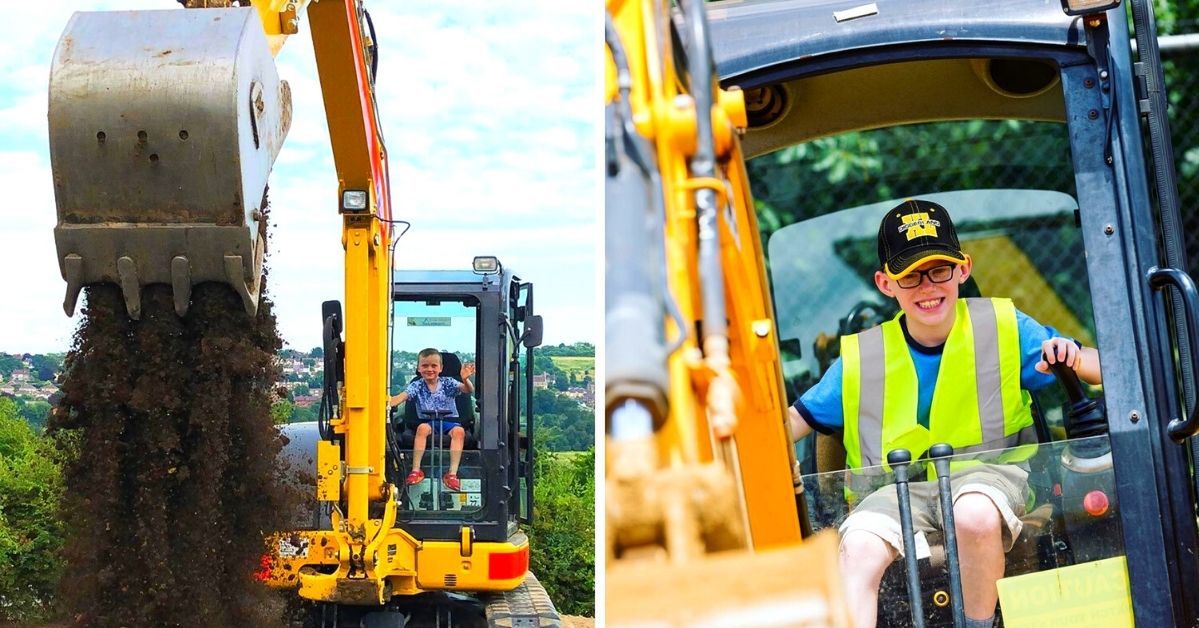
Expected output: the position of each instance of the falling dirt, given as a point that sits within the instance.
(176, 481)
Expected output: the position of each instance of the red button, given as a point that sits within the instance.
(1095, 503)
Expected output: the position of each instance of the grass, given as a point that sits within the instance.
(579, 365)
(567, 455)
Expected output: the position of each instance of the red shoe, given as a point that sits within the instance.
(450, 480)
(415, 477)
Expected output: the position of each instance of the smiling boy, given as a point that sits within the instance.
(433, 393)
(957, 368)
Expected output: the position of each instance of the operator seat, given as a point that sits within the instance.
(451, 366)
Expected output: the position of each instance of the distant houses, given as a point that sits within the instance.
(584, 395)
(300, 374)
(22, 381)
(304, 401)
(28, 390)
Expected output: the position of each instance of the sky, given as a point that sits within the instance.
(490, 114)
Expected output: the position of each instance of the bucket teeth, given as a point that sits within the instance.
(73, 273)
(181, 284)
(130, 287)
(236, 278)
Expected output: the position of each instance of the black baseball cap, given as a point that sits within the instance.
(914, 232)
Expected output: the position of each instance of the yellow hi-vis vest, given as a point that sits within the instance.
(977, 404)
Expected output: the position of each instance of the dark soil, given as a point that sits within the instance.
(175, 482)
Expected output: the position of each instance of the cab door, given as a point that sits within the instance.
(1137, 335)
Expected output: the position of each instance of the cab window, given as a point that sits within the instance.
(1008, 185)
(447, 477)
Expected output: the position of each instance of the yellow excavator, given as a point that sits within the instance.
(700, 485)
(164, 126)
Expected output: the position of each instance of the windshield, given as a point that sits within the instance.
(1010, 188)
(1008, 185)
(433, 430)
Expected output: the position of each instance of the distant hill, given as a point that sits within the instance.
(564, 402)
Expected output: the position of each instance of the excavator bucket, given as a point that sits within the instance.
(164, 126)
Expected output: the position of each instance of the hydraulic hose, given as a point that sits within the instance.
(635, 251)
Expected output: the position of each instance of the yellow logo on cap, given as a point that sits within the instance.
(917, 225)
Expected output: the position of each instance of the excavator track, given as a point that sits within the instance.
(526, 606)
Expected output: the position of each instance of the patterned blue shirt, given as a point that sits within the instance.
(428, 401)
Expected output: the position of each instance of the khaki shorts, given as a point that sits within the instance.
(1005, 485)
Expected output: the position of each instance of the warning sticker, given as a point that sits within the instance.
(293, 547)
(1090, 594)
(429, 321)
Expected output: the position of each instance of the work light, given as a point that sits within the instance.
(353, 200)
(486, 264)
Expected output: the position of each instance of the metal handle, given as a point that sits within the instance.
(899, 460)
(527, 461)
(1179, 429)
(1068, 379)
(941, 453)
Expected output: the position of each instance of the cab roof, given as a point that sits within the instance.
(750, 35)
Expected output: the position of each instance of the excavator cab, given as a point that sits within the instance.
(1024, 120)
(481, 317)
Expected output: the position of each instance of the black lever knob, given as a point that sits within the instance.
(899, 457)
(940, 450)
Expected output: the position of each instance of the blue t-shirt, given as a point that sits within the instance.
(428, 401)
(821, 405)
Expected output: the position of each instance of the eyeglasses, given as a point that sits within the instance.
(937, 274)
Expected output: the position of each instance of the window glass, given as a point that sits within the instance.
(1008, 184)
(448, 475)
(1009, 187)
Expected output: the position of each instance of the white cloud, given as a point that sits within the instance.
(490, 120)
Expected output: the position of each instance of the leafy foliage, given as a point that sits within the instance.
(563, 530)
(9, 363)
(576, 349)
(1182, 77)
(281, 411)
(562, 423)
(30, 531)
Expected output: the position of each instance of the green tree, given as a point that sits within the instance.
(281, 411)
(35, 413)
(302, 414)
(563, 424)
(46, 366)
(30, 530)
(578, 349)
(563, 532)
(9, 363)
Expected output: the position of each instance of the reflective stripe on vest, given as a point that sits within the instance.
(977, 404)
